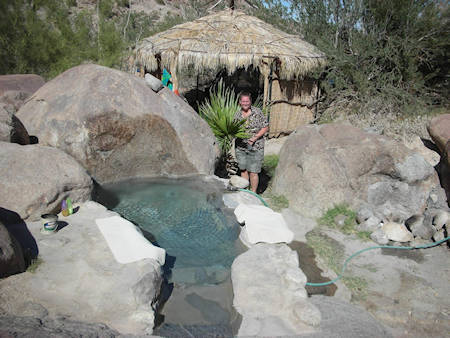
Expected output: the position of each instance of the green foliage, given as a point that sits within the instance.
(111, 44)
(276, 202)
(383, 56)
(219, 111)
(333, 255)
(35, 264)
(339, 209)
(169, 21)
(123, 3)
(276, 13)
(328, 219)
(270, 163)
(106, 8)
(47, 38)
(363, 235)
(357, 285)
(331, 251)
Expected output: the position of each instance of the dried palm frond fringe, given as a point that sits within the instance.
(230, 40)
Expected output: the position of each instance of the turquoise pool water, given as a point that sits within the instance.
(187, 218)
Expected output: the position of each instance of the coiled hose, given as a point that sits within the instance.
(425, 246)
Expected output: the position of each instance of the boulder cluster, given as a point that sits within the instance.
(397, 194)
(90, 124)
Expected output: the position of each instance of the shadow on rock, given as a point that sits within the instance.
(104, 196)
(17, 227)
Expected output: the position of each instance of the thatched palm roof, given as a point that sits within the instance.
(230, 40)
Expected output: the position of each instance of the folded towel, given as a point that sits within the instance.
(262, 224)
(126, 242)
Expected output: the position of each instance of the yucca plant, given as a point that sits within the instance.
(218, 111)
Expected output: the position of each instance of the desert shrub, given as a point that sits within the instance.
(48, 37)
(384, 57)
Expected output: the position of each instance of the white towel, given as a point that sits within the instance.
(127, 243)
(262, 224)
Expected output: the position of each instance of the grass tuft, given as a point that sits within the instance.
(349, 227)
(35, 263)
(270, 163)
(330, 250)
(333, 255)
(275, 202)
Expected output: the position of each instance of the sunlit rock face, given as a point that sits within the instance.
(117, 127)
(324, 165)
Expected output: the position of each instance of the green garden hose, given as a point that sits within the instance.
(255, 194)
(425, 246)
(377, 247)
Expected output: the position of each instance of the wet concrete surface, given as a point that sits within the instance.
(307, 262)
(198, 310)
(415, 255)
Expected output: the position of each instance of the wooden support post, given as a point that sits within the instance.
(265, 72)
(173, 72)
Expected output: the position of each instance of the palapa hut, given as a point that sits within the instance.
(249, 53)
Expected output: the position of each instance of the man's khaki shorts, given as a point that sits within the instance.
(250, 160)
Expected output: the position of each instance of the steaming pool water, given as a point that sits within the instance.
(188, 219)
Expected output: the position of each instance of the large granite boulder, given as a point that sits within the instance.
(11, 255)
(439, 130)
(11, 129)
(35, 179)
(117, 127)
(323, 165)
(16, 88)
(269, 292)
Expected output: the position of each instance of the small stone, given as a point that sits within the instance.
(339, 220)
(154, 83)
(378, 236)
(397, 232)
(414, 221)
(419, 228)
(440, 219)
(370, 224)
(239, 182)
(434, 198)
(439, 236)
(307, 312)
(414, 168)
(363, 214)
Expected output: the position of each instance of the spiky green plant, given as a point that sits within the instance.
(219, 111)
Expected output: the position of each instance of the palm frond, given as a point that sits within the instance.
(219, 112)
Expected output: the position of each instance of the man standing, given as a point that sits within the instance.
(250, 152)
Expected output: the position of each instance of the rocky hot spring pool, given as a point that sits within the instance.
(188, 219)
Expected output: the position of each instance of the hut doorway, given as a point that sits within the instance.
(248, 80)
